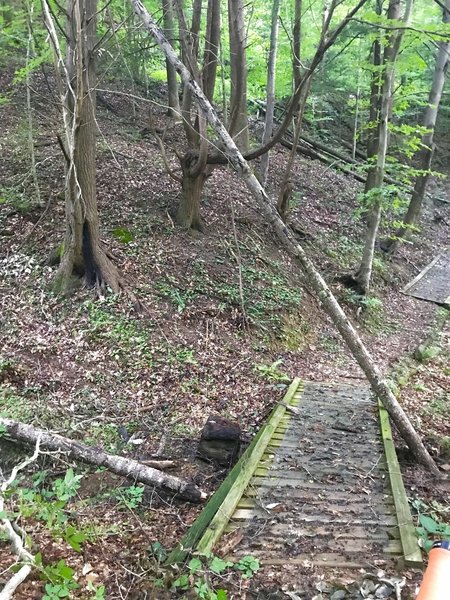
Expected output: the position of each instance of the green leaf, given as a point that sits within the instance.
(428, 523)
(195, 565)
(218, 565)
(182, 582)
(222, 595)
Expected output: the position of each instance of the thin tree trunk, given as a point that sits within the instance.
(270, 89)
(288, 240)
(238, 122)
(375, 175)
(424, 157)
(211, 54)
(172, 83)
(297, 44)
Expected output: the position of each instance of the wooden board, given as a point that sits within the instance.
(247, 467)
(433, 283)
(411, 551)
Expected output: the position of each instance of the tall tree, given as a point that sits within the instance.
(172, 83)
(81, 253)
(375, 176)
(270, 88)
(238, 122)
(423, 159)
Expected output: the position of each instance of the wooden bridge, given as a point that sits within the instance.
(320, 483)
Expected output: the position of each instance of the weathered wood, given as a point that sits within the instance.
(188, 542)
(126, 467)
(411, 550)
(433, 282)
(245, 514)
(247, 467)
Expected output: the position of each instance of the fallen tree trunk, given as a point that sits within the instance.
(330, 157)
(126, 467)
(288, 240)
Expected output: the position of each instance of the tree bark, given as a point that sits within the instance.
(82, 252)
(172, 83)
(125, 467)
(288, 240)
(270, 89)
(188, 215)
(211, 54)
(238, 122)
(424, 157)
(375, 175)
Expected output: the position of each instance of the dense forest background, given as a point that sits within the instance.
(152, 277)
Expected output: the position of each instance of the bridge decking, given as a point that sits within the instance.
(320, 485)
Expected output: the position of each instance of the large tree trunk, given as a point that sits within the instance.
(375, 174)
(270, 89)
(188, 215)
(82, 253)
(238, 122)
(287, 238)
(424, 157)
(172, 83)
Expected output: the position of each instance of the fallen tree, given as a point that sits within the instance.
(126, 467)
(286, 236)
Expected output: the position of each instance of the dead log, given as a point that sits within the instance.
(326, 298)
(125, 467)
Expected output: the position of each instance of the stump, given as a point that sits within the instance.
(220, 441)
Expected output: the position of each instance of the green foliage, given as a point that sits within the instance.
(433, 522)
(60, 578)
(248, 565)
(123, 235)
(201, 570)
(424, 353)
(272, 372)
(130, 497)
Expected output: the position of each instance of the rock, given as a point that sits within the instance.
(220, 440)
(338, 595)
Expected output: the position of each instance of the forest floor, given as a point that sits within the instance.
(91, 369)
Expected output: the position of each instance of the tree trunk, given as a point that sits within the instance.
(172, 83)
(82, 253)
(375, 174)
(424, 157)
(126, 467)
(288, 240)
(297, 44)
(188, 215)
(211, 54)
(238, 123)
(375, 91)
(270, 89)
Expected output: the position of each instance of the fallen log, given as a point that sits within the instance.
(126, 467)
(318, 151)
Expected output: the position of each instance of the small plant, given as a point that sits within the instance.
(433, 522)
(248, 565)
(202, 570)
(59, 577)
(130, 497)
(272, 372)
